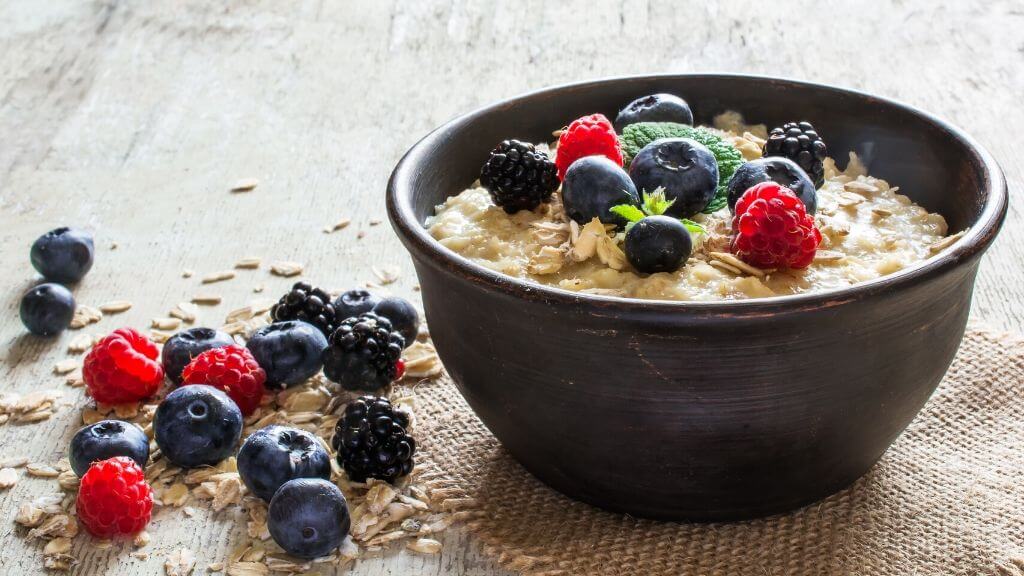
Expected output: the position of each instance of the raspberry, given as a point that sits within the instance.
(114, 498)
(122, 368)
(772, 229)
(587, 136)
(233, 370)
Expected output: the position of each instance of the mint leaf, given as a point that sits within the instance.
(655, 204)
(628, 211)
(693, 227)
(636, 136)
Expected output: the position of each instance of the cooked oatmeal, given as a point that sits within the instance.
(868, 230)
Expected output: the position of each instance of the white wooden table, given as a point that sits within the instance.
(133, 119)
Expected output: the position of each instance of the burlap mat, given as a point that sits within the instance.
(946, 499)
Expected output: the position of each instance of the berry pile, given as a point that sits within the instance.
(216, 383)
(200, 423)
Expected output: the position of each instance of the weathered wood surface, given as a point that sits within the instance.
(133, 119)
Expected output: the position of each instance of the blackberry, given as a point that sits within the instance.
(364, 353)
(518, 176)
(307, 303)
(799, 142)
(372, 442)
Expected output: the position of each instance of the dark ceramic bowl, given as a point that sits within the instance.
(703, 410)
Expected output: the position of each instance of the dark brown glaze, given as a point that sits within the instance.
(703, 410)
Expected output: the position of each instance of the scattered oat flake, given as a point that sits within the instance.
(425, 546)
(85, 315)
(56, 546)
(206, 299)
(42, 471)
(229, 491)
(176, 495)
(115, 307)
(286, 269)
(13, 462)
(160, 336)
(65, 366)
(81, 342)
(166, 323)
(249, 263)
(247, 569)
(92, 416)
(245, 185)
(343, 223)
(181, 562)
(186, 312)
(218, 276)
(387, 274)
(68, 480)
(8, 478)
(141, 539)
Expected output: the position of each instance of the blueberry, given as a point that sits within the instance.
(289, 352)
(782, 171)
(354, 303)
(63, 255)
(46, 309)
(186, 345)
(655, 108)
(197, 425)
(107, 439)
(274, 455)
(685, 168)
(592, 185)
(658, 244)
(308, 517)
(403, 316)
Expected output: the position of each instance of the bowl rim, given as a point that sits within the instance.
(417, 239)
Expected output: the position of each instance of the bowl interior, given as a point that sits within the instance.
(932, 162)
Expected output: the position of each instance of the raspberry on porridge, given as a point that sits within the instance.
(867, 229)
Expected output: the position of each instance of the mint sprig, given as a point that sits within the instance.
(636, 136)
(652, 204)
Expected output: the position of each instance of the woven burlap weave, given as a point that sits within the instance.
(946, 499)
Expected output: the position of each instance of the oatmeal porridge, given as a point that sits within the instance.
(867, 229)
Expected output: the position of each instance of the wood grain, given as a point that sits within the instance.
(134, 119)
